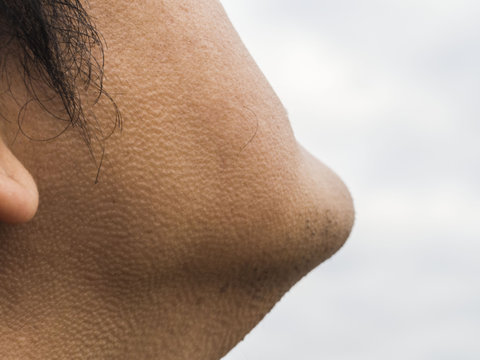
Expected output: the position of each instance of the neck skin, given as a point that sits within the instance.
(206, 211)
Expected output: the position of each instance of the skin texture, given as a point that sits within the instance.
(206, 212)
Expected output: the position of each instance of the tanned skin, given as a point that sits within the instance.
(205, 210)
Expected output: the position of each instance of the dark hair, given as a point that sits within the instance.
(59, 45)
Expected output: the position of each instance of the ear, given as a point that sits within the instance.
(18, 191)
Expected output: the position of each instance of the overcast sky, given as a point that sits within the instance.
(386, 92)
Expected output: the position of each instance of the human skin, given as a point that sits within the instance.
(205, 213)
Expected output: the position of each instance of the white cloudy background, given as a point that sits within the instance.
(387, 93)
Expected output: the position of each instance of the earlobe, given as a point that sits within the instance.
(18, 191)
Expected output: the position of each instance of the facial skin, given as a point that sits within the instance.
(206, 211)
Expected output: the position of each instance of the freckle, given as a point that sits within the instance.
(224, 288)
(199, 301)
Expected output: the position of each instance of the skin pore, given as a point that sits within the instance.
(206, 209)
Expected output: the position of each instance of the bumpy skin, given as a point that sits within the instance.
(206, 213)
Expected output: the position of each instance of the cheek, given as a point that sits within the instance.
(206, 211)
(258, 217)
